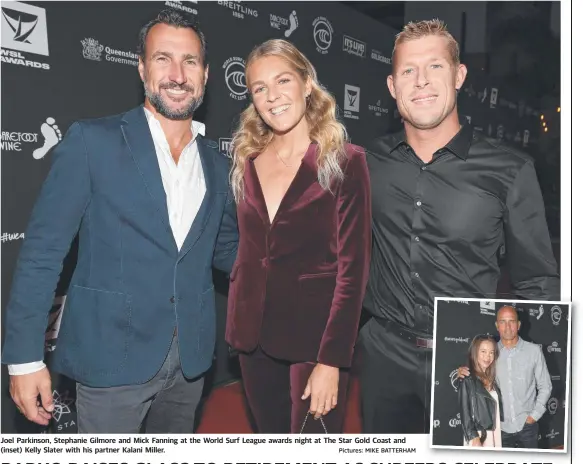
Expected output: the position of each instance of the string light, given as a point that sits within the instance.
(558, 109)
(544, 124)
(546, 129)
(542, 116)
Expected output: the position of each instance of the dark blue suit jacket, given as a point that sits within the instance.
(131, 286)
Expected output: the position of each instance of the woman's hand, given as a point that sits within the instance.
(476, 442)
(322, 386)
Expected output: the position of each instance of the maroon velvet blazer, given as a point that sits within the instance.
(297, 285)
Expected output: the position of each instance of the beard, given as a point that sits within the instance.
(162, 107)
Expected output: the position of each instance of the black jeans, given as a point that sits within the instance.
(395, 380)
(526, 438)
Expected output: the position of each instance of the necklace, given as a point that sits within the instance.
(281, 159)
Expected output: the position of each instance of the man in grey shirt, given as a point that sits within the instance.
(524, 381)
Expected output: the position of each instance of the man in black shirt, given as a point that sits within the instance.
(448, 204)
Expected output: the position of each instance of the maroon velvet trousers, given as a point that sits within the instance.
(274, 389)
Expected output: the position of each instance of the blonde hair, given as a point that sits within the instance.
(253, 134)
(421, 29)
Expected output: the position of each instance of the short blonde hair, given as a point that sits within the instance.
(421, 29)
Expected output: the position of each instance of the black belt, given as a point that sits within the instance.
(406, 333)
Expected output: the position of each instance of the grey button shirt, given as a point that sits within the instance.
(525, 384)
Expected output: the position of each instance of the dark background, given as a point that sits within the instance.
(520, 62)
(458, 322)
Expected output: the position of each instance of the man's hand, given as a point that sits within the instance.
(462, 372)
(530, 420)
(323, 388)
(25, 389)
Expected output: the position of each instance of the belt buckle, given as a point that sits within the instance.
(425, 343)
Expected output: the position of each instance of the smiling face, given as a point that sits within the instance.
(508, 324)
(173, 72)
(424, 81)
(486, 354)
(278, 92)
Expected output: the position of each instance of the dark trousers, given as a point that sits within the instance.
(395, 380)
(274, 389)
(526, 438)
(167, 403)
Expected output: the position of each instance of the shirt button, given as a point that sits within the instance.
(418, 203)
(416, 239)
(423, 168)
(172, 299)
(416, 275)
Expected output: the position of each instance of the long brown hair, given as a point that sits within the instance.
(489, 377)
(253, 135)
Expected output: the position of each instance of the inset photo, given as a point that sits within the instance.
(501, 374)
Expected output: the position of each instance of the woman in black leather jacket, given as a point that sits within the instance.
(479, 395)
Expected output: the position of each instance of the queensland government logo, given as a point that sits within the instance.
(24, 29)
(235, 77)
(92, 50)
(378, 56)
(322, 34)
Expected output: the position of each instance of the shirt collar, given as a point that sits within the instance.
(459, 145)
(518, 345)
(197, 127)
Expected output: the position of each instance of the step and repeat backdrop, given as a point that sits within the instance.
(63, 61)
(459, 321)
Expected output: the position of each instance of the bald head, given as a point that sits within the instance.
(508, 325)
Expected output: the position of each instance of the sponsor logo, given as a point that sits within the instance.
(483, 95)
(457, 339)
(455, 421)
(556, 314)
(61, 405)
(351, 101)
(555, 378)
(436, 423)
(290, 24)
(235, 77)
(552, 434)
(16, 141)
(322, 34)
(178, 5)
(552, 405)
(377, 109)
(537, 312)
(54, 324)
(487, 307)
(225, 145)
(378, 56)
(24, 30)
(354, 46)
(239, 11)
(493, 97)
(454, 380)
(92, 50)
(8, 237)
(554, 348)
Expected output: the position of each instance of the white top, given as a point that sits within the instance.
(185, 188)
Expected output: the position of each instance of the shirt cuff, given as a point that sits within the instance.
(26, 368)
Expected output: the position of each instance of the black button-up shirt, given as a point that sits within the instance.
(441, 228)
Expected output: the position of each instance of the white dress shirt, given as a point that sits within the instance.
(185, 188)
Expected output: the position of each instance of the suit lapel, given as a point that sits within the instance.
(207, 161)
(306, 175)
(141, 145)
